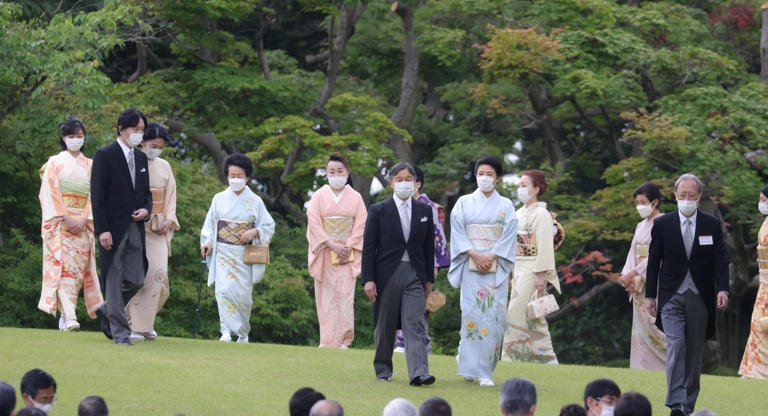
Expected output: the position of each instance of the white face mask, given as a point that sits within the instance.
(44, 407)
(606, 411)
(152, 153)
(404, 190)
(337, 182)
(135, 139)
(485, 183)
(74, 143)
(524, 194)
(763, 208)
(687, 207)
(644, 210)
(237, 184)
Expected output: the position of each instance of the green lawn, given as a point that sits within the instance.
(173, 376)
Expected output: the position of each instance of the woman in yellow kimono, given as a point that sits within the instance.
(648, 350)
(335, 224)
(527, 339)
(67, 229)
(144, 306)
(754, 364)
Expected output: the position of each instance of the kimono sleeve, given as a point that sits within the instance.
(506, 246)
(208, 230)
(264, 222)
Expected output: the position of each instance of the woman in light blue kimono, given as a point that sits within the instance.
(237, 217)
(483, 245)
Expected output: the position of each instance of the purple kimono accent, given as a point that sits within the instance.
(442, 256)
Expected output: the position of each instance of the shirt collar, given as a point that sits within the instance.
(683, 217)
(399, 202)
(125, 148)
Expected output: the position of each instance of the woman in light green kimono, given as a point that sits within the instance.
(529, 339)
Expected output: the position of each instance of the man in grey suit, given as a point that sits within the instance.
(398, 271)
(688, 272)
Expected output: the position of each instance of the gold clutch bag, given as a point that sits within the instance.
(435, 301)
(335, 257)
(473, 266)
(255, 254)
(156, 221)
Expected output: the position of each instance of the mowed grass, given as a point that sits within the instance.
(171, 376)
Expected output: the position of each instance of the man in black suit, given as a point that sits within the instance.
(398, 271)
(121, 202)
(688, 271)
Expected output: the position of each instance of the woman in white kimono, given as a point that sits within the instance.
(237, 217)
(648, 348)
(335, 224)
(69, 261)
(483, 239)
(528, 339)
(144, 306)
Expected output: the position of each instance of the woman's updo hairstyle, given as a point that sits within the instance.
(539, 180)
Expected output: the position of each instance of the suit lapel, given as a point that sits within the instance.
(120, 156)
(678, 234)
(415, 218)
(696, 234)
(394, 213)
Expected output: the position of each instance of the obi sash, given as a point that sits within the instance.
(526, 244)
(158, 201)
(483, 236)
(762, 258)
(229, 232)
(339, 229)
(641, 253)
(74, 194)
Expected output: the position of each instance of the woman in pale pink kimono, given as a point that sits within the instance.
(754, 363)
(67, 229)
(144, 306)
(648, 349)
(336, 220)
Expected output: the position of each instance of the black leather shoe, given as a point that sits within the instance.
(127, 342)
(677, 411)
(423, 380)
(387, 379)
(104, 321)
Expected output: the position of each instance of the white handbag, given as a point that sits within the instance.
(541, 306)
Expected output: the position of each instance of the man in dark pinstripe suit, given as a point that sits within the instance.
(398, 271)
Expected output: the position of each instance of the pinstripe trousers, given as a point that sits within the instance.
(403, 300)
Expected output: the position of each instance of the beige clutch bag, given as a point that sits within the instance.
(541, 306)
(435, 301)
(255, 254)
(473, 266)
(156, 221)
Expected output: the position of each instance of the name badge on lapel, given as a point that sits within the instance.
(705, 240)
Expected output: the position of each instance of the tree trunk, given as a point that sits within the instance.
(265, 20)
(141, 63)
(575, 303)
(207, 140)
(362, 184)
(764, 45)
(410, 88)
(349, 15)
(538, 97)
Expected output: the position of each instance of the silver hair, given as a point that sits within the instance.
(517, 395)
(690, 177)
(326, 407)
(400, 407)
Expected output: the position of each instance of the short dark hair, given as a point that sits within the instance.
(491, 161)
(240, 160)
(7, 399)
(30, 411)
(93, 406)
(517, 395)
(130, 118)
(764, 191)
(435, 406)
(337, 157)
(419, 175)
(155, 130)
(539, 180)
(632, 404)
(599, 388)
(303, 400)
(400, 166)
(34, 380)
(69, 126)
(572, 410)
(650, 190)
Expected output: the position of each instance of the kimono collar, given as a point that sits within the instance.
(479, 195)
(336, 198)
(73, 157)
(534, 206)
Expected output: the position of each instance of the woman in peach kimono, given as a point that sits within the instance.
(754, 364)
(67, 229)
(336, 220)
(648, 348)
(147, 302)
